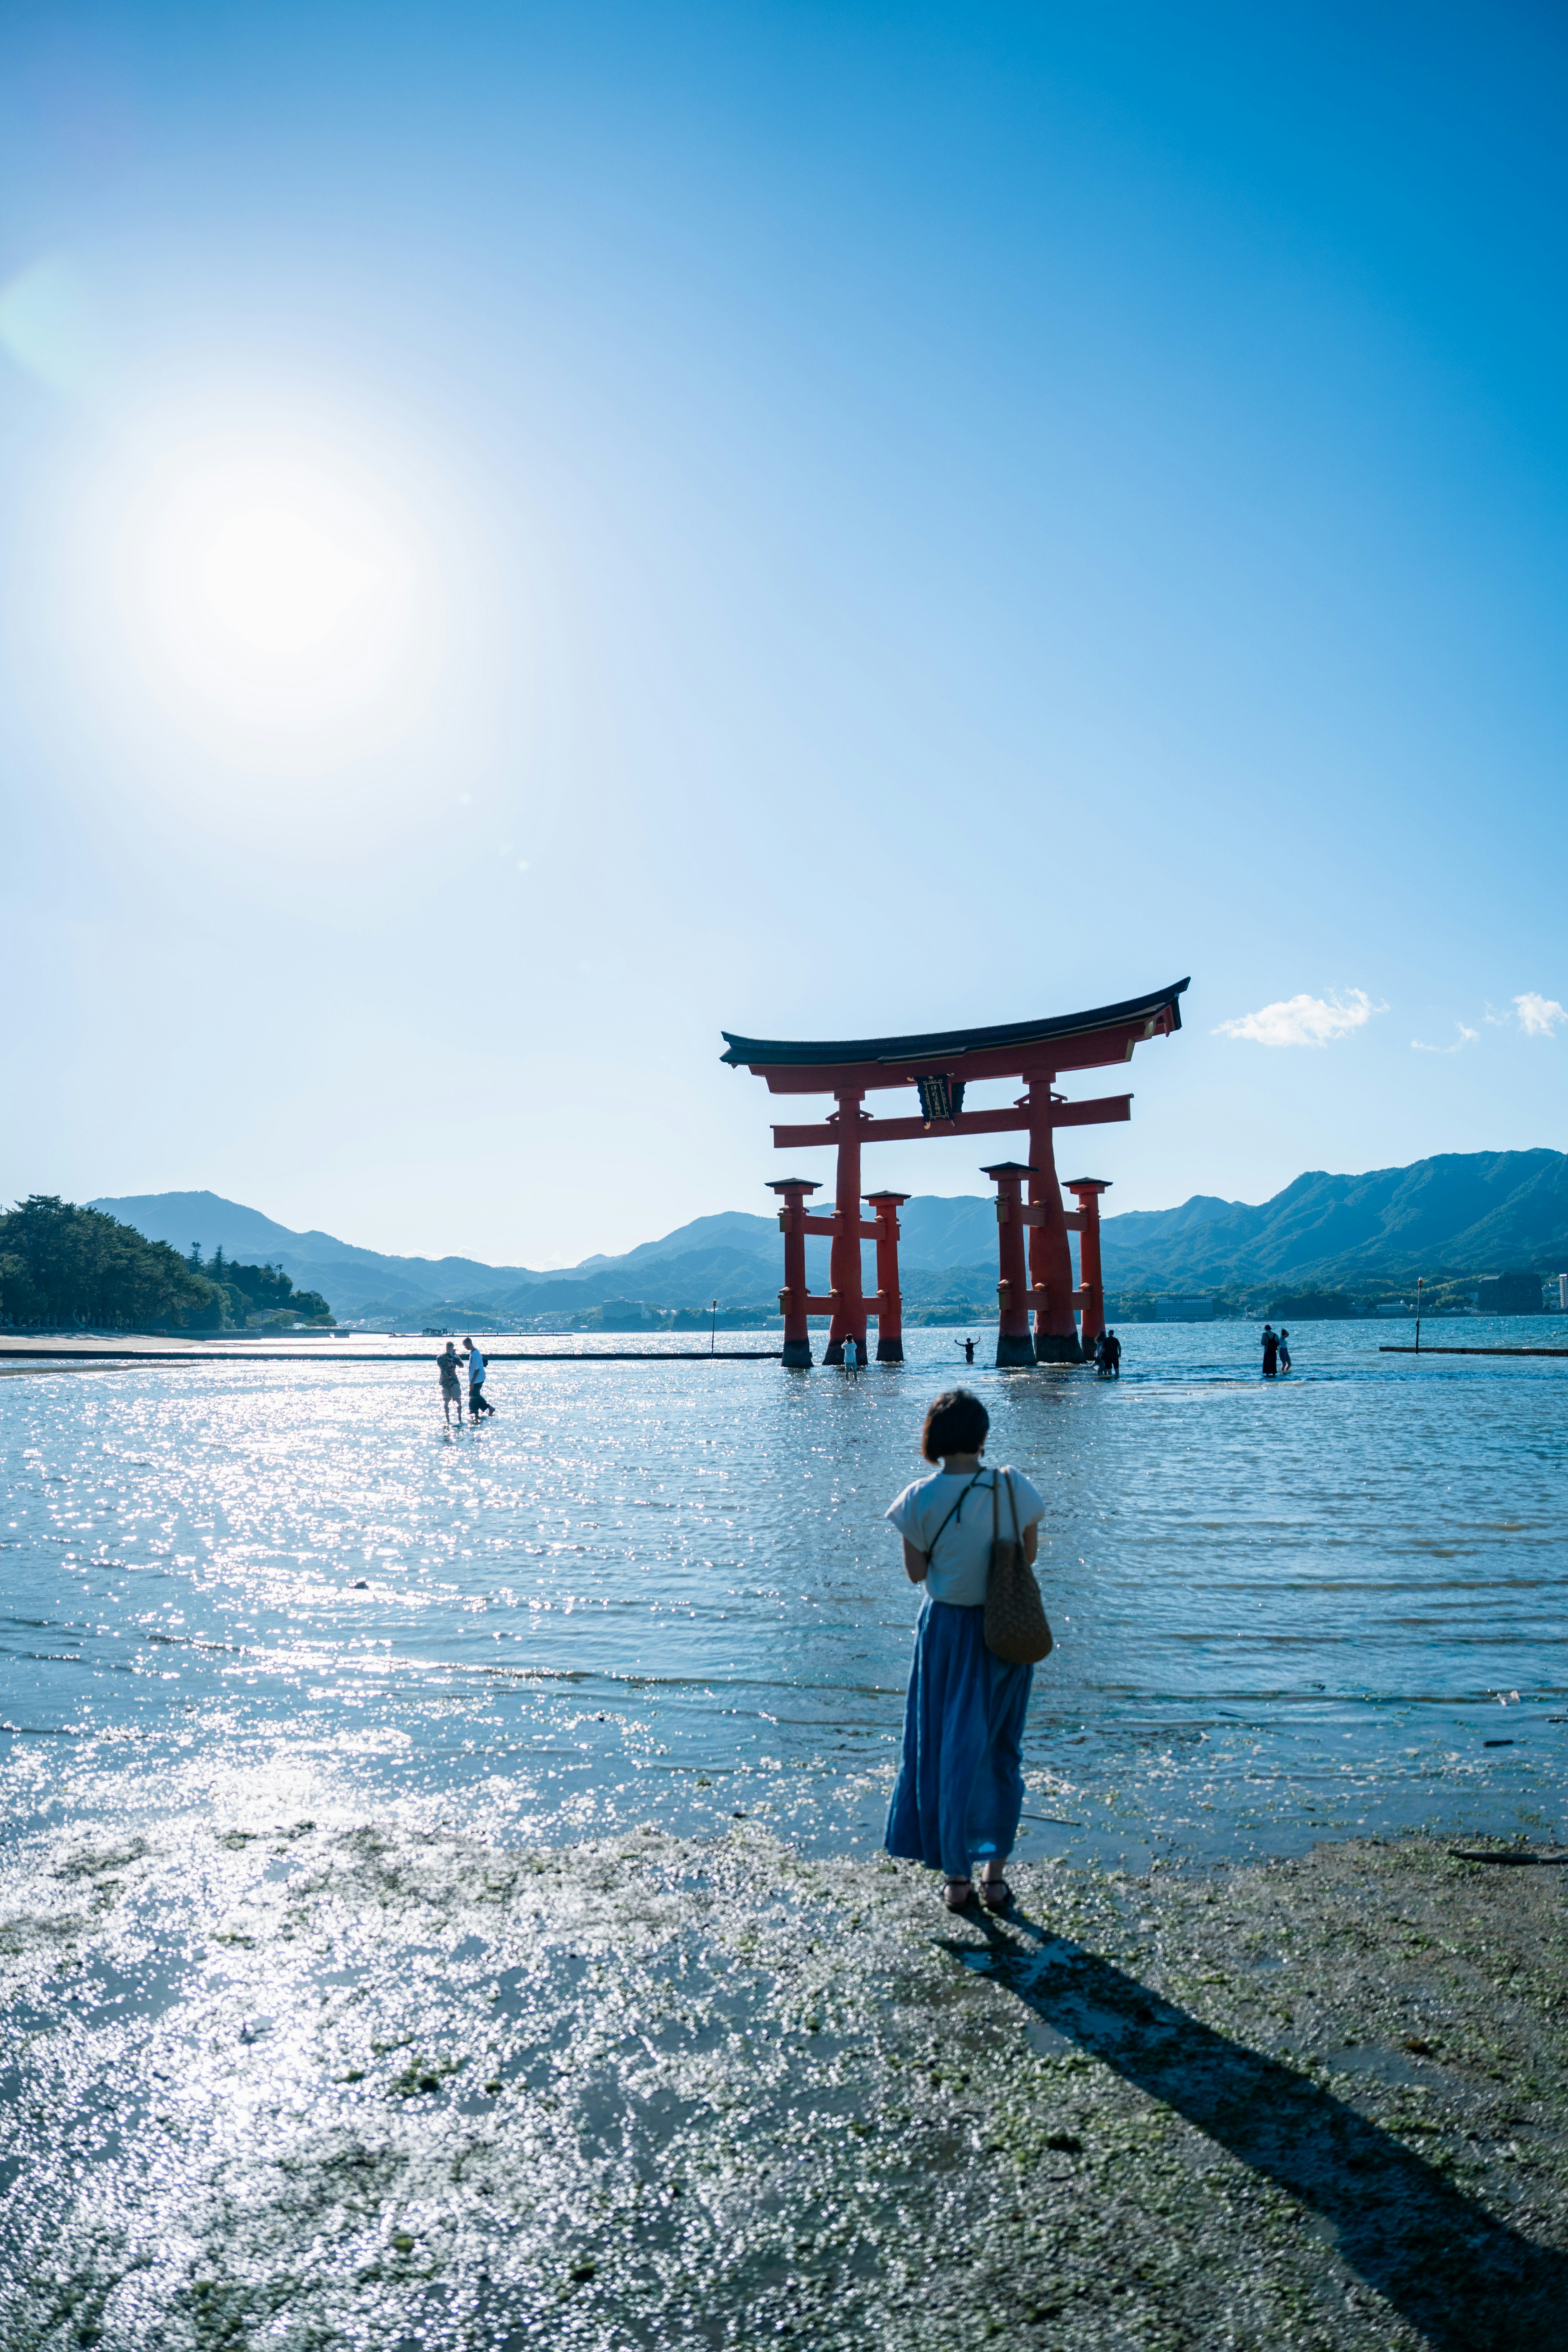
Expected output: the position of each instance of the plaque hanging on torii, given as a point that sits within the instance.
(1034, 1275)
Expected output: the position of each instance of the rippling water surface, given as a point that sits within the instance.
(665, 1592)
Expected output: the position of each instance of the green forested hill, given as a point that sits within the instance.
(62, 1264)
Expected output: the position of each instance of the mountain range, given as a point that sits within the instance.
(1463, 1212)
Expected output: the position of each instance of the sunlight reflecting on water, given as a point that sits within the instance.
(665, 1590)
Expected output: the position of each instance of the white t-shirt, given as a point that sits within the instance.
(961, 1565)
(476, 1365)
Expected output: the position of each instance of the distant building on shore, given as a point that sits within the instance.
(1510, 1294)
(1183, 1311)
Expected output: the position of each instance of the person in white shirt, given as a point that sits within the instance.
(851, 1358)
(477, 1401)
(960, 1790)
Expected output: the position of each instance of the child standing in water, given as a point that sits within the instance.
(960, 1789)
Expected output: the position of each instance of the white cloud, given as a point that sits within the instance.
(1304, 1020)
(1539, 1015)
(1466, 1037)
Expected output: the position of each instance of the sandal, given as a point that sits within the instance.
(958, 1893)
(995, 1894)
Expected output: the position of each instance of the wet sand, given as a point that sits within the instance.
(359, 2085)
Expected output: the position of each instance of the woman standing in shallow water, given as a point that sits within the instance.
(960, 1788)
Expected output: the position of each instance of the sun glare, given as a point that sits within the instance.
(277, 599)
(269, 574)
(279, 586)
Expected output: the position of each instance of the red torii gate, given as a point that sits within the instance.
(941, 1066)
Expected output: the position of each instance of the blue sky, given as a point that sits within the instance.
(535, 534)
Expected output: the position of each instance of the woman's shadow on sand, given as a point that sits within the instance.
(1468, 2280)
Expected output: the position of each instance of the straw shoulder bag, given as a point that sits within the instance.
(1016, 1631)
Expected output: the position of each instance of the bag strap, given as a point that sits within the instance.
(931, 1548)
(1012, 1506)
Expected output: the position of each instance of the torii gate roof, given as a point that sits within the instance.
(1066, 1040)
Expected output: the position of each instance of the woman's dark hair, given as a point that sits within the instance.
(956, 1424)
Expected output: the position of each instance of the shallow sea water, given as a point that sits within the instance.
(649, 1592)
(440, 1906)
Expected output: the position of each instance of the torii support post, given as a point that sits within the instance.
(1014, 1345)
(1086, 1190)
(889, 1304)
(793, 1299)
(1050, 1258)
(844, 1280)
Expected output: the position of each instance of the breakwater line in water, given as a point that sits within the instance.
(1410, 1351)
(262, 1354)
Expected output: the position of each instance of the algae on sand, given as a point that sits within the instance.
(364, 2086)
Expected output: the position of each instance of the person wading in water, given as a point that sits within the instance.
(477, 1404)
(960, 1789)
(451, 1392)
(1270, 1352)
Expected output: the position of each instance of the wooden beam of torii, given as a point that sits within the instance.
(940, 1065)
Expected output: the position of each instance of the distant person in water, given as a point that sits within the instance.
(960, 1790)
(477, 1404)
(851, 1358)
(968, 1347)
(1284, 1350)
(451, 1392)
(1270, 1351)
(1113, 1355)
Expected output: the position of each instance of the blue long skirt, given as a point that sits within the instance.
(960, 1789)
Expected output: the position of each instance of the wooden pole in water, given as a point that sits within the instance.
(1418, 1314)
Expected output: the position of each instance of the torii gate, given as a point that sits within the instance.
(941, 1066)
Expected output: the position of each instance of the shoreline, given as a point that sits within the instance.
(616, 2088)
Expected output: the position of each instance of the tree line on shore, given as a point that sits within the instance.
(65, 1266)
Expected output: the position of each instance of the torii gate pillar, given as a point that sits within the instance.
(889, 1304)
(1051, 1257)
(794, 1301)
(1014, 1345)
(849, 1302)
(1086, 1190)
